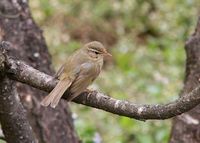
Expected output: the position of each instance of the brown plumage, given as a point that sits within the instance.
(80, 70)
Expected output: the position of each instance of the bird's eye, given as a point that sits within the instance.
(96, 52)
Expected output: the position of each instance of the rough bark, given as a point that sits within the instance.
(15, 125)
(14, 122)
(186, 128)
(18, 27)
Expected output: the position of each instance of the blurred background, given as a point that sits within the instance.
(146, 39)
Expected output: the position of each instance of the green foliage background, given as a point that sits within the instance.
(146, 38)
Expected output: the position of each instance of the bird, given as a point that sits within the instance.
(79, 71)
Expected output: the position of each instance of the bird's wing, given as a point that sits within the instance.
(84, 78)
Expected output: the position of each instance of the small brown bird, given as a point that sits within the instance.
(80, 70)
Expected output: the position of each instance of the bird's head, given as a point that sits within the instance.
(96, 49)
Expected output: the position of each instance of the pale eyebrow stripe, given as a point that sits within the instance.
(95, 50)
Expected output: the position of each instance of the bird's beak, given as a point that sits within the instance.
(107, 54)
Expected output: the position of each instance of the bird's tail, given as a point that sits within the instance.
(54, 96)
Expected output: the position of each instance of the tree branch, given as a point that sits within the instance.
(18, 70)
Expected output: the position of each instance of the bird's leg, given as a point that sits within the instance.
(89, 91)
